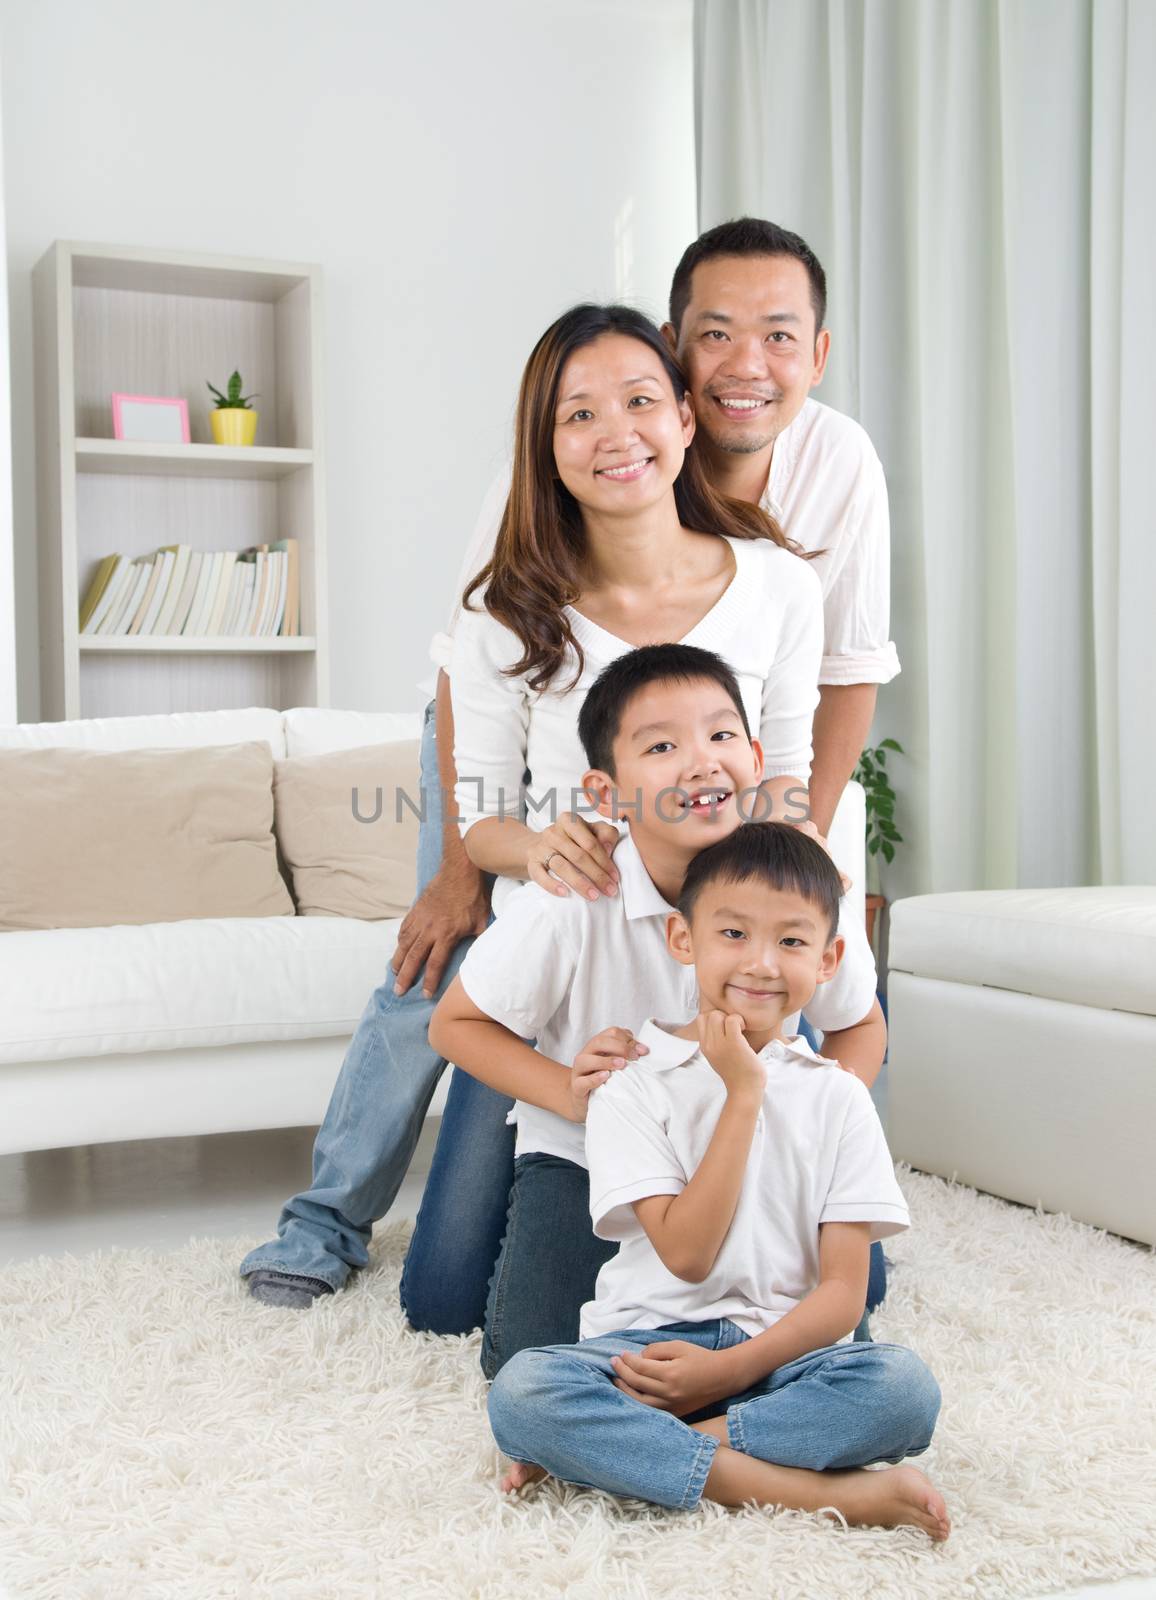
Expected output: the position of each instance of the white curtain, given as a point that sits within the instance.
(979, 180)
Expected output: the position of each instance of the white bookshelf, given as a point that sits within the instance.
(161, 322)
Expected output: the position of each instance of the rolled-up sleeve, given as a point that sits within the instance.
(790, 691)
(857, 598)
(491, 720)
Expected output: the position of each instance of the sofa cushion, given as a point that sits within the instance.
(170, 730)
(90, 838)
(171, 985)
(315, 730)
(342, 862)
(1089, 946)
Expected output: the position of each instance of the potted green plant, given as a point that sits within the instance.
(234, 421)
(882, 834)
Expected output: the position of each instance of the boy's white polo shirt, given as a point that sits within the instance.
(818, 1155)
(559, 969)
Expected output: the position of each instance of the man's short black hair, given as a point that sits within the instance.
(746, 236)
(774, 853)
(600, 718)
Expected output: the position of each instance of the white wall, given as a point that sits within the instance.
(461, 171)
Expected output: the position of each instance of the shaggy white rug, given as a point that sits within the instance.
(163, 1436)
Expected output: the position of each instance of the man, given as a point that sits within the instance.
(747, 307)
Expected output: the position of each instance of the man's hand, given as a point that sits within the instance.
(571, 852)
(812, 832)
(607, 1052)
(675, 1376)
(724, 1044)
(454, 905)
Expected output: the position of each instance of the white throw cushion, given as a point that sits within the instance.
(1088, 946)
(317, 731)
(174, 730)
(170, 985)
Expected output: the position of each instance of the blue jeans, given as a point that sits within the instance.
(365, 1145)
(846, 1405)
(549, 1260)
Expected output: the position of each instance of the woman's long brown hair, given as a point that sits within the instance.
(535, 570)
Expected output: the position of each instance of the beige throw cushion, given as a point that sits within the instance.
(89, 838)
(340, 866)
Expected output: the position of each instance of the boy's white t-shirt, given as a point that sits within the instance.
(818, 1155)
(559, 969)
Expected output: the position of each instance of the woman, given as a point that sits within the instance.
(612, 538)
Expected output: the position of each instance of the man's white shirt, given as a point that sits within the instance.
(827, 491)
(560, 969)
(818, 1155)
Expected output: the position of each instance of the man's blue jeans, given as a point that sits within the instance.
(846, 1405)
(365, 1145)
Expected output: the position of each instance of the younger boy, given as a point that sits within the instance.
(745, 1177)
(668, 743)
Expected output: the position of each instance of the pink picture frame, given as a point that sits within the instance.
(150, 418)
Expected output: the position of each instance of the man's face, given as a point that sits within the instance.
(757, 951)
(684, 767)
(748, 345)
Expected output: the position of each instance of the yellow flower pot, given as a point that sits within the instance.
(234, 424)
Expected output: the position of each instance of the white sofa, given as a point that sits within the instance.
(210, 1026)
(1023, 1047)
(217, 1025)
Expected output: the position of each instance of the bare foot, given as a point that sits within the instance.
(520, 1474)
(889, 1498)
(892, 1498)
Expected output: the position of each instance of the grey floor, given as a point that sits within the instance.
(159, 1193)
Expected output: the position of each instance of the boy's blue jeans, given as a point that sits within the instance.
(846, 1405)
(371, 1128)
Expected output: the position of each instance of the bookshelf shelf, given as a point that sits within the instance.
(123, 456)
(192, 644)
(121, 318)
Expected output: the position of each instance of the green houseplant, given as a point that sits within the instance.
(882, 834)
(233, 420)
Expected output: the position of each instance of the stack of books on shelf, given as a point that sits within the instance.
(197, 593)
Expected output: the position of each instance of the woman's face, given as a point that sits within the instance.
(619, 433)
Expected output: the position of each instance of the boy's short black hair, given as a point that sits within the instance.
(746, 236)
(600, 718)
(776, 854)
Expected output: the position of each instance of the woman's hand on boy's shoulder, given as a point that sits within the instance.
(608, 1051)
(573, 852)
(724, 1044)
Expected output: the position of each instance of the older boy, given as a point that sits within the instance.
(745, 1177)
(666, 736)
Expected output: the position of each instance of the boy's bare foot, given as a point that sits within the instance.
(892, 1497)
(520, 1474)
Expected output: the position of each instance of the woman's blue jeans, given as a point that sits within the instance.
(846, 1405)
(371, 1128)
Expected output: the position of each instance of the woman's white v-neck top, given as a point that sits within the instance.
(767, 625)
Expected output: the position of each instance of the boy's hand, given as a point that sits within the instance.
(675, 1376)
(607, 1052)
(724, 1044)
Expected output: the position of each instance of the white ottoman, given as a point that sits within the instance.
(1023, 1047)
